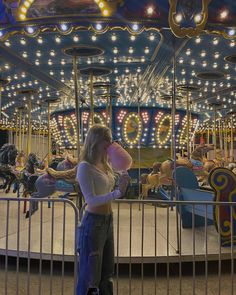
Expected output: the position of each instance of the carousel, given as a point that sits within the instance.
(160, 74)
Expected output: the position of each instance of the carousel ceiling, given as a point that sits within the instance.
(137, 50)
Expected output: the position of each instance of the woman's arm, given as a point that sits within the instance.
(87, 187)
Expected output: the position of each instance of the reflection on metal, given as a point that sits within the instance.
(191, 31)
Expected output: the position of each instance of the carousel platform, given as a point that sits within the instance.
(137, 247)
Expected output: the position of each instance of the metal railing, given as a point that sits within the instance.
(156, 250)
(176, 260)
(30, 242)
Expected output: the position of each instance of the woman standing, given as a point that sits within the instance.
(96, 241)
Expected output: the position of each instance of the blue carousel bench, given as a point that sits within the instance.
(189, 190)
(223, 183)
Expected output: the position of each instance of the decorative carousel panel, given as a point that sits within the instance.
(223, 181)
(162, 128)
(132, 129)
(182, 138)
(37, 9)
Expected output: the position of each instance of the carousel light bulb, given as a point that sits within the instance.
(38, 53)
(94, 38)
(98, 27)
(198, 40)
(63, 62)
(40, 40)
(22, 41)
(135, 27)
(203, 53)
(224, 14)
(30, 30)
(131, 50)
(231, 32)
(58, 39)
(188, 51)
(105, 12)
(215, 65)
(7, 43)
(24, 54)
(150, 10)
(143, 59)
(76, 38)
(151, 37)
(178, 18)
(215, 41)
(52, 53)
(64, 27)
(132, 38)
(115, 50)
(198, 18)
(193, 62)
(146, 50)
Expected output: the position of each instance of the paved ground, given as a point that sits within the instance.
(123, 286)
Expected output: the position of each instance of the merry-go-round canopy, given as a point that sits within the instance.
(138, 40)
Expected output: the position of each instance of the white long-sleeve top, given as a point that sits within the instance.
(96, 185)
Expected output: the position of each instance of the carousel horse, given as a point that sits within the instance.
(65, 180)
(197, 163)
(162, 174)
(8, 154)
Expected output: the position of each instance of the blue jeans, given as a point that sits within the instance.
(96, 254)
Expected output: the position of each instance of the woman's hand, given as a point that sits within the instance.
(123, 183)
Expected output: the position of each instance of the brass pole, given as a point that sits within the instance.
(77, 104)
(49, 134)
(91, 99)
(221, 136)
(214, 142)
(232, 140)
(29, 126)
(20, 132)
(0, 103)
(110, 112)
(226, 141)
(188, 125)
(107, 107)
(16, 138)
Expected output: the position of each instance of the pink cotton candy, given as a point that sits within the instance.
(119, 157)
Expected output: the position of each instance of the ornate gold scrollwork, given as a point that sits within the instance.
(191, 31)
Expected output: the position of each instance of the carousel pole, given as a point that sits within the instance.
(110, 112)
(23, 133)
(49, 134)
(232, 140)
(16, 130)
(225, 141)
(3, 82)
(108, 105)
(215, 141)
(75, 52)
(188, 125)
(29, 135)
(91, 98)
(75, 69)
(39, 141)
(20, 131)
(173, 139)
(139, 154)
(231, 116)
(221, 137)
